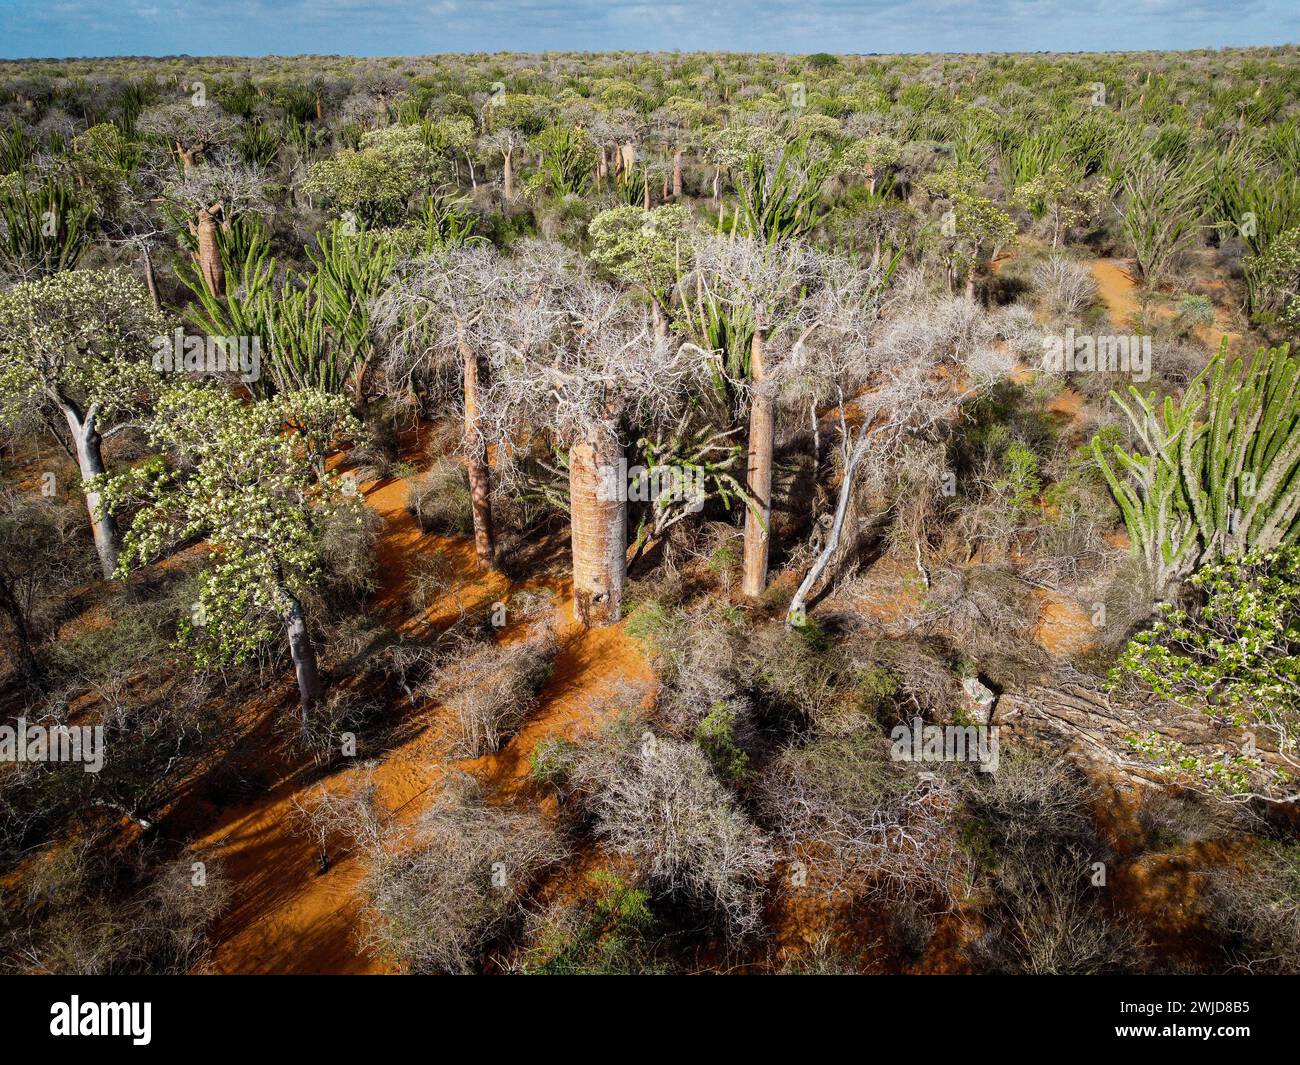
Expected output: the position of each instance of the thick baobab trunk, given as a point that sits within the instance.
(310, 685)
(598, 520)
(645, 191)
(677, 174)
(209, 252)
(602, 167)
(86, 443)
(320, 109)
(508, 178)
(476, 462)
(758, 472)
(970, 285)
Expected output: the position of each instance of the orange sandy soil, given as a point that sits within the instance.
(1117, 288)
(286, 917)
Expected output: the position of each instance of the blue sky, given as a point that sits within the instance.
(57, 28)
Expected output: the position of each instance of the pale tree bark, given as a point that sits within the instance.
(508, 177)
(758, 515)
(86, 444)
(209, 252)
(306, 671)
(598, 528)
(150, 279)
(677, 174)
(798, 605)
(476, 461)
(645, 193)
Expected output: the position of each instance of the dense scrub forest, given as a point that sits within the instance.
(641, 513)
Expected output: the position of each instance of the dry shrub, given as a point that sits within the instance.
(84, 914)
(431, 579)
(656, 800)
(873, 827)
(436, 897)
(439, 499)
(983, 609)
(1065, 288)
(348, 548)
(494, 689)
(1048, 920)
(1032, 829)
(1257, 906)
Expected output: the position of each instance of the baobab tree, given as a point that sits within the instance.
(77, 347)
(761, 291)
(215, 194)
(446, 311)
(580, 359)
(193, 130)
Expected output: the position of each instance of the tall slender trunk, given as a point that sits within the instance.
(509, 176)
(758, 472)
(645, 193)
(717, 178)
(86, 443)
(150, 280)
(473, 178)
(598, 523)
(310, 685)
(476, 462)
(677, 174)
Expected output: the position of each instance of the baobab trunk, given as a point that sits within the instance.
(209, 252)
(476, 462)
(310, 685)
(598, 522)
(677, 174)
(646, 190)
(86, 443)
(508, 179)
(758, 473)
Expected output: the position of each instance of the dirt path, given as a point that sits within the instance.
(286, 917)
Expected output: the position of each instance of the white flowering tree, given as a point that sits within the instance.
(229, 472)
(76, 348)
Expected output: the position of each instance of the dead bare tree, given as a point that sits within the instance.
(927, 358)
